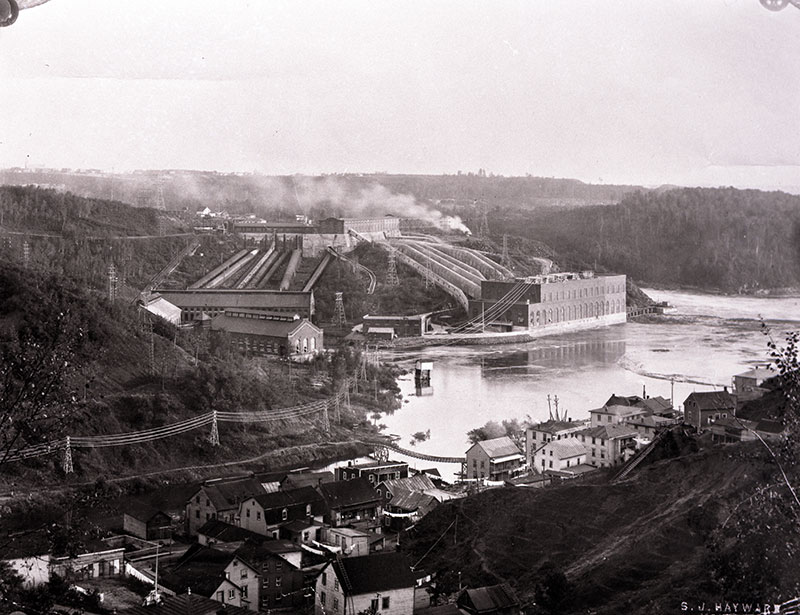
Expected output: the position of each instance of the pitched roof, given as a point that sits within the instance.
(225, 532)
(257, 552)
(711, 400)
(254, 326)
(222, 298)
(226, 494)
(759, 373)
(342, 493)
(142, 511)
(307, 479)
(658, 404)
(565, 449)
(553, 426)
(297, 526)
(291, 497)
(186, 604)
(374, 573)
(488, 599)
(498, 447)
(413, 500)
(608, 432)
(201, 569)
(419, 483)
(619, 400)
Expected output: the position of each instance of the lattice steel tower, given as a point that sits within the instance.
(112, 282)
(484, 229)
(391, 271)
(505, 259)
(338, 311)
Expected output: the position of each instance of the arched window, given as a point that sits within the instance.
(538, 317)
(305, 345)
(313, 344)
(284, 514)
(550, 315)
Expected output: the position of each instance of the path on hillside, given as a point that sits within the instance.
(61, 488)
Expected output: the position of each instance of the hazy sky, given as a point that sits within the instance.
(618, 91)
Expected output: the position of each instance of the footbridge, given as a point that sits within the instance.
(415, 454)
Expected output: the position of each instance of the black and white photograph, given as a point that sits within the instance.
(369, 307)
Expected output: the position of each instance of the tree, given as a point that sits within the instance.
(39, 391)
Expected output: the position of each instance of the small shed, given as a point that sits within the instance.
(147, 522)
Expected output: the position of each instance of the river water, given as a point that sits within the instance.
(700, 348)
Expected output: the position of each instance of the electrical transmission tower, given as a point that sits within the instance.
(67, 463)
(505, 259)
(213, 437)
(338, 311)
(151, 347)
(26, 253)
(112, 283)
(484, 228)
(391, 271)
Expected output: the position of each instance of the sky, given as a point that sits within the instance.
(645, 92)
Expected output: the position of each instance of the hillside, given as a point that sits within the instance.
(91, 361)
(726, 239)
(691, 528)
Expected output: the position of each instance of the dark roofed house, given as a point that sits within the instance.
(216, 533)
(265, 513)
(280, 566)
(770, 429)
(220, 499)
(376, 583)
(185, 604)
(492, 600)
(351, 502)
(700, 408)
(374, 471)
(295, 480)
(219, 575)
(145, 521)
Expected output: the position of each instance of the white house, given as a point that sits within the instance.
(383, 583)
(560, 455)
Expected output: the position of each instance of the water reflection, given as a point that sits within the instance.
(532, 360)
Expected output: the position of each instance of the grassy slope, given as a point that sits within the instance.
(632, 547)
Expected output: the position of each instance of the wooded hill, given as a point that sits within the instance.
(73, 363)
(712, 238)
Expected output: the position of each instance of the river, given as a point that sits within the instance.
(700, 348)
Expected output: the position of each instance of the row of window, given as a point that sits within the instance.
(577, 293)
(569, 312)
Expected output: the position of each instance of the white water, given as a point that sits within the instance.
(711, 339)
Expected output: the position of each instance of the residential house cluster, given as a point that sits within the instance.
(263, 540)
(609, 437)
